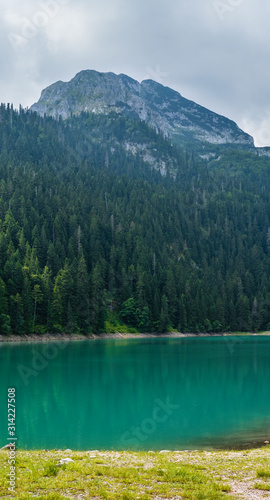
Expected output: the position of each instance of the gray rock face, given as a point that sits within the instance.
(161, 107)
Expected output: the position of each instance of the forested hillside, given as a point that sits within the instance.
(104, 223)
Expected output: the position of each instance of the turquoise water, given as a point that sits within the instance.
(142, 394)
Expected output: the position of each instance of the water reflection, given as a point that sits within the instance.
(141, 394)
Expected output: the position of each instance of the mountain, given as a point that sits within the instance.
(184, 122)
(108, 225)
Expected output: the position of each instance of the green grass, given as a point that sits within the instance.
(135, 475)
(263, 473)
(262, 486)
(115, 325)
(51, 470)
(109, 328)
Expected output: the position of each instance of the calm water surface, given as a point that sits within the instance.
(138, 394)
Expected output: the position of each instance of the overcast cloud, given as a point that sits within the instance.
(215, 52)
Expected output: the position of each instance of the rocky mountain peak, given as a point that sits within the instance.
(161, 107)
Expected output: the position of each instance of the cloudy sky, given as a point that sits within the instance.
(215, 52)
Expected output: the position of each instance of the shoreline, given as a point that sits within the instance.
(241, 445)
(80, 337)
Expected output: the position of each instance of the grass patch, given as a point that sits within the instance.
(263, 473)
(262, 486)
(115, 325)
(51, 470)
(134, 475)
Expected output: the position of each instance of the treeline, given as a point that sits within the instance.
(92, 239)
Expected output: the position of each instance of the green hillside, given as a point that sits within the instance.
(105, 226)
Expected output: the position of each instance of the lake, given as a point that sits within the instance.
(139, 394)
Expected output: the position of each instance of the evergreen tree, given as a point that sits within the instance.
(164, 319)
(82, 296)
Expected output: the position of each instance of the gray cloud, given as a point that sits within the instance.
(214, 52)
